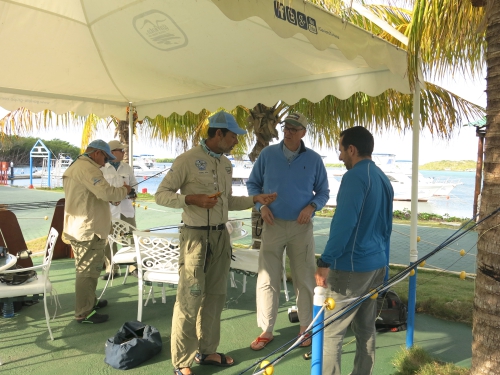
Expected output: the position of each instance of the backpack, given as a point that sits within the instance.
(391, 312)
(134, 343)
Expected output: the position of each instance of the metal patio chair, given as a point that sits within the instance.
(157, 257)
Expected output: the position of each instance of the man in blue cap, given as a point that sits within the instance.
(204, 177)
(87, 223)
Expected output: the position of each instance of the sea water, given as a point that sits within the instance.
(459, 203)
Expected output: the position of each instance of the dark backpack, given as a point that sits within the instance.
(391, 312)
(134, 343)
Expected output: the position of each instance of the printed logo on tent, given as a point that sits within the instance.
(160, 30)
(287, 13)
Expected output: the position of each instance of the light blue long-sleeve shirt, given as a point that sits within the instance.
(361, 228)
(298, 183)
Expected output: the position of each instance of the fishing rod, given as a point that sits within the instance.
(382, 287)
(133, 194)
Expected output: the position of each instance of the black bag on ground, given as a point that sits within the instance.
(391, 312)
(134, 343)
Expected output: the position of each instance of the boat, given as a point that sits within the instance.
(144, 166)
(400, 173)
(447, 184)
(57, 167)
(239, 183)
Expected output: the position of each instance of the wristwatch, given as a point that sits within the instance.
(315, 206)
(322, 264)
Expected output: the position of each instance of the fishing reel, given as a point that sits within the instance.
(25, 254)
(132, 194)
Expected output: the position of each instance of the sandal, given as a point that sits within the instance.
(177, 371)
(201, 359)
(306, 340)
(263, 341)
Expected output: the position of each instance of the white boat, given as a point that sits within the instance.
(447, 185)
(57, 167)
(400, 175)
(240, 178)
(144, 166)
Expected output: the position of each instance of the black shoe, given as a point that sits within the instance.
(100, 304)
(93, 318)
(107, 275)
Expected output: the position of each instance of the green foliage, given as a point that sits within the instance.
(165, 160)
(447, 165)
(440, 294)
(17, 149)
(416, 361)
(406, 215)
(333, 165)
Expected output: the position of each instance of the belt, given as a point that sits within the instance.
(206, 227)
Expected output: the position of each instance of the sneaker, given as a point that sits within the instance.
(93, 318)
(107, 276)
(100, 304)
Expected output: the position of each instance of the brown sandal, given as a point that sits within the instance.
(263, 341)
(306, 340)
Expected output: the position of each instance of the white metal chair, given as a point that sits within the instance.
(157, 257)
(38, 286)
(121, 234)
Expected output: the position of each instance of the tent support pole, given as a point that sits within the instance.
(130, 135)
(412, 291)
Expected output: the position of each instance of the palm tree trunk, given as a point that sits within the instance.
(123, 131)
(486, 319)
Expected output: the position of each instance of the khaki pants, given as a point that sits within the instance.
(299, 242)
(342, 286)
(89, 257)
(107, 254)
(201, 295)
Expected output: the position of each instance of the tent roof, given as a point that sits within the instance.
(164, 56)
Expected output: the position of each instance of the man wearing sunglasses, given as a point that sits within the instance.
(117, 172)
(298, 175)
(87, 223)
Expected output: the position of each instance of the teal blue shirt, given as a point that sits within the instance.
(361, 228)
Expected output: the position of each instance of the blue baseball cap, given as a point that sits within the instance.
(103, 146)
(224, 120)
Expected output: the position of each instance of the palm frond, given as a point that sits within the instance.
(442, 112)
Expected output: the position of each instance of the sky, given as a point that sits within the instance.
(461, 146)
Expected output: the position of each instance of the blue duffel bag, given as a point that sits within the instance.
(134, 343)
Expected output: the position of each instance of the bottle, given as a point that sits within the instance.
(8, 309)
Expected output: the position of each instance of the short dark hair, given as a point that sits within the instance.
(360, 138)
(212, 131)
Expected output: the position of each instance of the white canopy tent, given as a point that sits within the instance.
(91, 56)
(165, 56)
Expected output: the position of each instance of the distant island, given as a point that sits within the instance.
(443, 165)
(449, 165)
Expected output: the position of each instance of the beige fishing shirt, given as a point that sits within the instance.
(87, 193)
(196, 172)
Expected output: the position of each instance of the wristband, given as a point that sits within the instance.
(260, 208)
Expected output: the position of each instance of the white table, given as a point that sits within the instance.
(10, 261)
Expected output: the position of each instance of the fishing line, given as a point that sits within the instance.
(385, 285)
